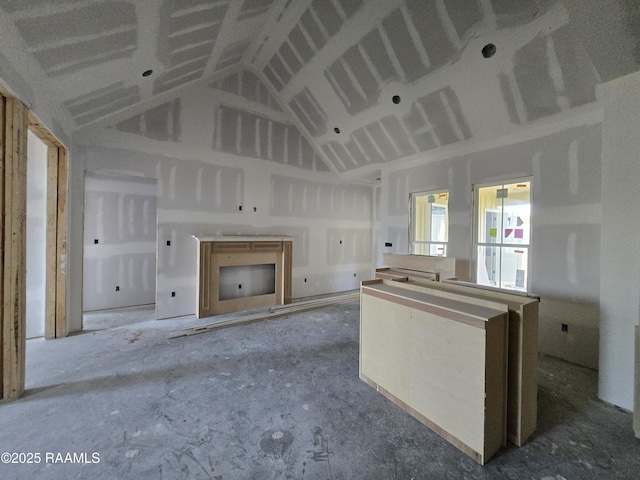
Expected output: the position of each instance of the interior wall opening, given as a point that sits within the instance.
(37, 154)
(120, 242)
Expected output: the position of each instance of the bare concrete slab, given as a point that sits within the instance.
(275, 399)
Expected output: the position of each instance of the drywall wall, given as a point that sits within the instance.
(36, 235)
(620, 259)
(331, 222)
(228, 161)
(566, 217)
(119, 241)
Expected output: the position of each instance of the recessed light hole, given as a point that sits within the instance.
(337, 130)
(396, 99)
(488, 50)
(146, 73)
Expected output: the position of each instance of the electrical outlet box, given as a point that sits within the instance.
(565, 327)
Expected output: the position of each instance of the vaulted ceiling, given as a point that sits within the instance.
(355, 84)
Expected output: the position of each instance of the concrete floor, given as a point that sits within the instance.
(277, 399)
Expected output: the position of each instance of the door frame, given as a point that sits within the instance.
(15, 122)
(57, 178)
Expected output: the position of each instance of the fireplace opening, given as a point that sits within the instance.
(239, 281)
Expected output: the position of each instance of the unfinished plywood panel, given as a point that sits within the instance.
(247, 252)
(444, 266)
(13, 156)
(522, 386)
(442, 360)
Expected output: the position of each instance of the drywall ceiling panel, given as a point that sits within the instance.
(610, 32)
(89, 107)
(321, 21)
(325, 63)
(253, 8)
(232, 54)
(309, 112)
(248, 86)
(67, 41)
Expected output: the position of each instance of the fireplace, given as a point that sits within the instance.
(242, 272)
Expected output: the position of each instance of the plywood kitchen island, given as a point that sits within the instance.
(443, 360)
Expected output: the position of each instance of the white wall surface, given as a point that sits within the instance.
(331, 222)
(119, 241)
(566, 215)
(620, 260)
(36, 235)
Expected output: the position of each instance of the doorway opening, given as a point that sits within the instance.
(120, 242)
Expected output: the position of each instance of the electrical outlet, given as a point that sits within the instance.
(565, 327)
(173, 294)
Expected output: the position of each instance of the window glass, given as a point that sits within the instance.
(503, 226)
(429, 223)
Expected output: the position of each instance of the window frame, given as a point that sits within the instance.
(475, 243)
(413, 222)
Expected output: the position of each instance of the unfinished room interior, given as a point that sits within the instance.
(320, 239)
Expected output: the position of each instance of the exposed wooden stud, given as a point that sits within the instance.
(42, 132)
(61, 248)
(14, 176)
(52, 244)
(55, 302)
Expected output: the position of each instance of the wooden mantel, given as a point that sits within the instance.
(215, 252)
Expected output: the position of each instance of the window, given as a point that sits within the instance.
(429, 228)
(503, 234)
